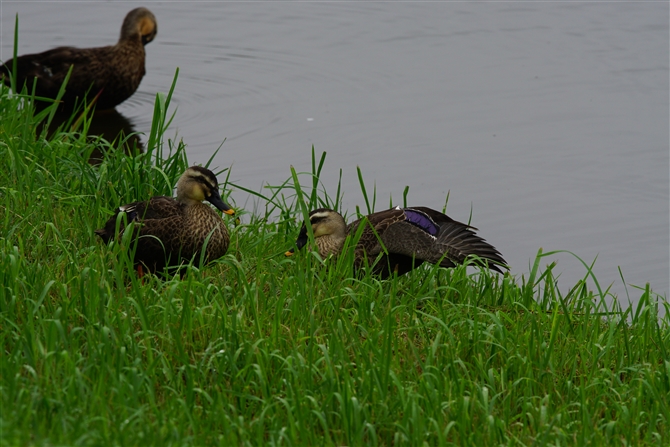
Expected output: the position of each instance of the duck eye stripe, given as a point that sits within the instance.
(204, 180)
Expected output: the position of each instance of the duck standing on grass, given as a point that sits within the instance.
(169, 232)
(112, 73)
(409, 236)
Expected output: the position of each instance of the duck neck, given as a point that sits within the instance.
(188, 201)
(329, 245)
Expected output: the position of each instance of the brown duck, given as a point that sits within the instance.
(112, 73)
(410, 236)
(169, 232)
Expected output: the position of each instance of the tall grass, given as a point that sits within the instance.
(257, 349)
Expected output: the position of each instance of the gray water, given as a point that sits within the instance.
(547, 122)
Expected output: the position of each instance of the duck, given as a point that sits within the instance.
(111, 73)
(172, 232)
(410, 237)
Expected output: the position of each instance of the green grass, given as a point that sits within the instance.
(258, 349)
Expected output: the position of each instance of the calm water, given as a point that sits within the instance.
(548, 122)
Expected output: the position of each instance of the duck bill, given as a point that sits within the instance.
(215, 199)
(299, 243)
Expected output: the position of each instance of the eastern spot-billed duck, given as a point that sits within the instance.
(409, 235)
(113, 72)
(170, 232)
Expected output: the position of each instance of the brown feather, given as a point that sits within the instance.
(114, 72)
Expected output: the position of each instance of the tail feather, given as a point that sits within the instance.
(459, 242)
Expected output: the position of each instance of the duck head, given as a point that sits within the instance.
(139, 23)
(197, 184)
(330, 231)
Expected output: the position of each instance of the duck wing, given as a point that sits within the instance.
(454, 240)
(156, 212)
(159, 226)
(417, 234)
(51, 67)
(375, 225)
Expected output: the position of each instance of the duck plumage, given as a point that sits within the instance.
(171, 232)
(410, 236)
(113, 73)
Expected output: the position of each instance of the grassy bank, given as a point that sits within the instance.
(258, 349)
